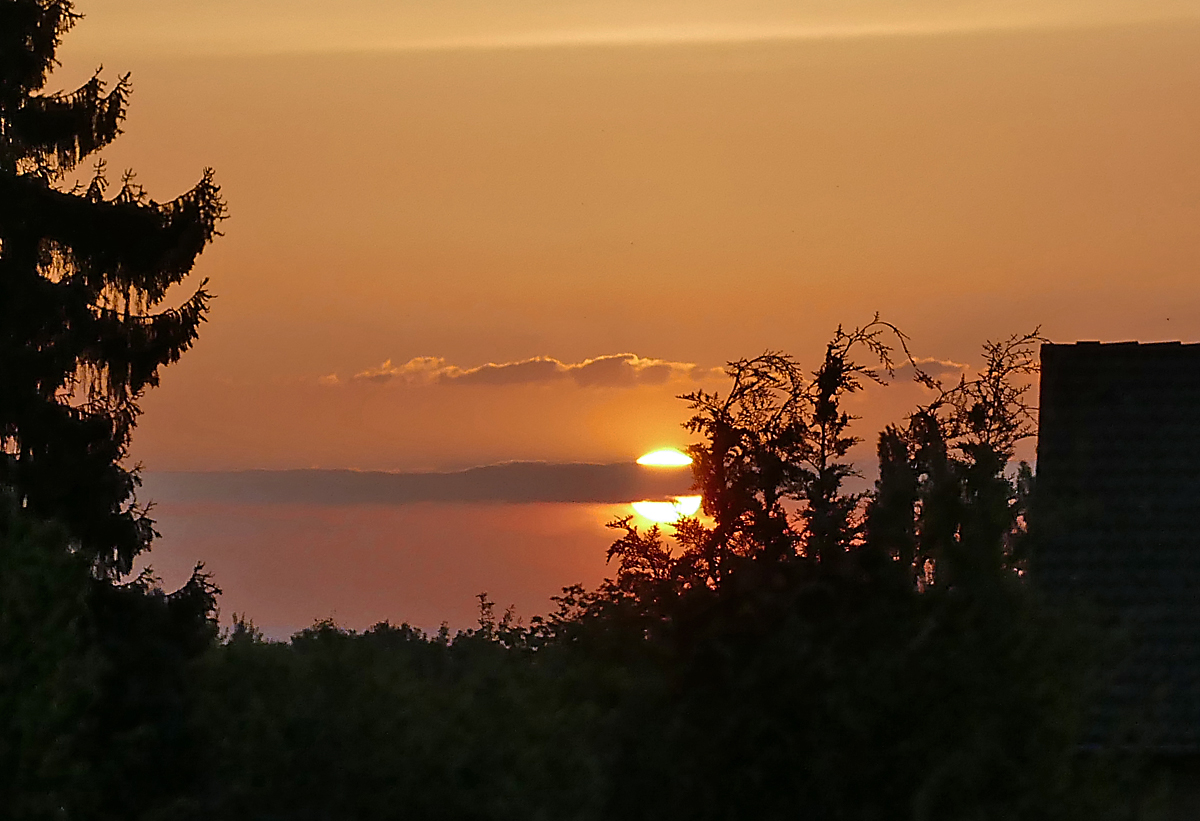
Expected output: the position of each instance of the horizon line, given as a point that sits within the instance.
(410, 472)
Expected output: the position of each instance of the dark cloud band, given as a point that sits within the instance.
(512, 482)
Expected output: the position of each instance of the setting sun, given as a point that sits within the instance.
(665, 458)
(668, 512)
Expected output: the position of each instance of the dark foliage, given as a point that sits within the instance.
(95, 674)
(392, 723)
(48, 675)
(84, 278)
(96, 683)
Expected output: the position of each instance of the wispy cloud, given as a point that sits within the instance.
(622, 370)
(945, 370)
(311, 26)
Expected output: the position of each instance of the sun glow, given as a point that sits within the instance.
(668, 512)
(665, 458)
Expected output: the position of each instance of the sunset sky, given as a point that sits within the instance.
(467, 232)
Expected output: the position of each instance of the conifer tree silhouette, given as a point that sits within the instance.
(85, 273)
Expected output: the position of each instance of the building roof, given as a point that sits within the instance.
(1117, 518)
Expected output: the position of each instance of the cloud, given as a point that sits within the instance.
(622, 370)
(944, 370)
(285, 26)
(420, 370)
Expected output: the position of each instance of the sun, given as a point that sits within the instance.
(668, 512)
(665, 458)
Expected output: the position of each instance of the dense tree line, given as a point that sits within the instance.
(800, 650)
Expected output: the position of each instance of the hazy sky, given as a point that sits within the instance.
(295, 26)
(608, 200)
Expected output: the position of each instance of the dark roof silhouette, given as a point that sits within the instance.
(1117, 519)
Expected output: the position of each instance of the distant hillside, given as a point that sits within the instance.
(509, 482)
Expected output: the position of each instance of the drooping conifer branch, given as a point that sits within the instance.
(85, 279)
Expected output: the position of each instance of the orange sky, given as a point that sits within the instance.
(276, 26)
(690, 203)
(478, 182)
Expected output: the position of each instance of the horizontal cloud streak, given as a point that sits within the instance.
(623, 370)
(514, 482)
(309, 26)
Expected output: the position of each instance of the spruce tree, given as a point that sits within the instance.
(85, 287)
(88, 316)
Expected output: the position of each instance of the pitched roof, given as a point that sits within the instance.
(1117, 516)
